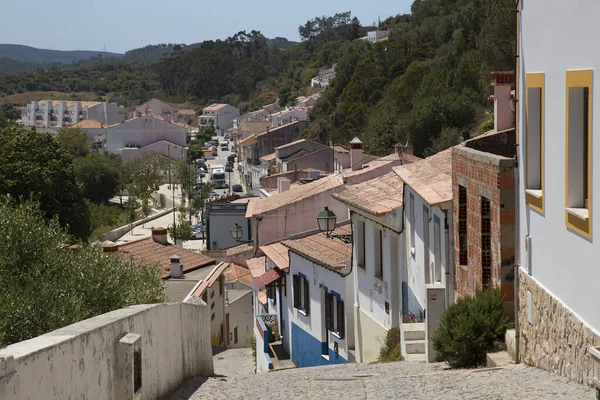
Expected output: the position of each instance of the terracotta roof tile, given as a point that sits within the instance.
(330, 183)
(214, 107)
(268, 157)
(283, 146)
(211, 279)
(238, 273)
(262, 297)
(377, 196)
(430, 178)
(89, 124)
(256, 266)
(186, 112)
(330, 253)
(148, 252)
(278, 254)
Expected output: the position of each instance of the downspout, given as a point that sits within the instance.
(352, 252)
(450, 281)
(517, 194)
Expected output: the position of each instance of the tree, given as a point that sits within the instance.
(98, 175)
(147, 173)
(33, 165)
(74, 141)
(46, 285)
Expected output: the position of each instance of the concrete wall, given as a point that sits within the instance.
(561, 259)
(115, 234)
(373, 321)
(156, 107)
(263, 360)
(107, 113)
(242, 318)
(167, 149)
(490, 176)
(87, 359)
(216, 301)
(308, 333)
(322, 160)
(266, 142)
(220, 218)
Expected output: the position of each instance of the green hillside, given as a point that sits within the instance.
(29, 54)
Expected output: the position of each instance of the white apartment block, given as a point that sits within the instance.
(62, 114)
(220, 116)
(557, 213)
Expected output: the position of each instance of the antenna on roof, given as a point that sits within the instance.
(104, 48)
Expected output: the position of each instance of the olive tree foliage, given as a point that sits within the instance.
(47, 285)
(142, 177)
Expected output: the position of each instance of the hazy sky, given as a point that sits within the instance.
(129, 24)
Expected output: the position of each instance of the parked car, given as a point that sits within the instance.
(198, 234)
(229, 168)
(230, 158)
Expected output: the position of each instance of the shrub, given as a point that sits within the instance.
(390, 349)
(470, 328)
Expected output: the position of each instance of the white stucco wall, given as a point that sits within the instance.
(557, 36)
(242, 317)
(143, 131)
(417, 275)
(83, 360)
(320, 277)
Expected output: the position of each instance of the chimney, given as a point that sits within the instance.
(111, 248)
(176, 267)
(356, 154)
(283, 185)
(267, 128)
(159, 235)
(504, 116)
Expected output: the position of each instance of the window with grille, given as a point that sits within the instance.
(462, 225)
(486, 244)
(334, 314)
(301, 294)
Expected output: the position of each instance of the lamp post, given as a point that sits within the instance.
(237, 232)
(326, 221)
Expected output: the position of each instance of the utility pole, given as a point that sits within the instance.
(173, 194)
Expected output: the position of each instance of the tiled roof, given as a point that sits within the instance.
(268, 277)
(330, 253)
(430, 178)
(214, 107)
(83, 104)
(237, 273)
(148, 252)
(256, 266)
(262, 298)
(340, 149)
(278, 254)
(268, 157)
(271, 130)
(211, 279)
(186, 112)
(293, 195)
(410, 158)
(290, 144)
(250, 139)
(89, 124)
(275, 191)
(372, 164)
(377, 196)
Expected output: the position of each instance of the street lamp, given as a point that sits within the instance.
(237, 233)
(326, 221)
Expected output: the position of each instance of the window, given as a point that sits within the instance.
(578, 151)
(534, 141)
(301, 295)
(437, 248)
(412, 223)
(428, 273)
(378, 272)
(486, 245)
(221, 285)
(334, 314)
(462, 225)
(271, 289)
(361, 245)
(137, 370)
(235, 335)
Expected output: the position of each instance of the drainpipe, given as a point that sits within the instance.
(517, 194)
(449, 263)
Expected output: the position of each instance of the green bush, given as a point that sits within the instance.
(470, 328)
(390, 349)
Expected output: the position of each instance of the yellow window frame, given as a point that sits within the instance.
(535, 80)
(579, 79)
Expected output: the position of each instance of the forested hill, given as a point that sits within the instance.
(28, 54)
(428, 82)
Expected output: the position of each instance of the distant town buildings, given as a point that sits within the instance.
(55, 114)
(323, 78)
(220, 116)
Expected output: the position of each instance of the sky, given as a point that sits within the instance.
(126, 24)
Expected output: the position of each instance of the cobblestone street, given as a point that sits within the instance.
(401, 380)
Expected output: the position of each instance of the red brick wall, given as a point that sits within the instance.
(494, 180)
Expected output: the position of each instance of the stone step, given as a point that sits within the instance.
(414, 331)
(498, 359)
(419, 357)
(415, 346)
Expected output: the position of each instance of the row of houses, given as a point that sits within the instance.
(410, 237)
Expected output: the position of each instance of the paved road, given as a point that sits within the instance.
(221, 159)
(401, 380)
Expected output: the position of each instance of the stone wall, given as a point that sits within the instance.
(556, 339)
(163, 344)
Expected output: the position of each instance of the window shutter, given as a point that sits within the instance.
(340, 318)
(328, 311)
(296, 284)
(306, 297)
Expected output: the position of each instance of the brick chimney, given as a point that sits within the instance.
(283, 185)
(504, 116)
(356, 154)
(176, 267)
(159, 235)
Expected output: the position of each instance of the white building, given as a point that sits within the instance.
(323, 78)
(156, 107)
(62, 114)
(429, 246)
(377, 36)
(147, 134)
(317, 313)
(220, 116)
(379, 260)
(557, 213)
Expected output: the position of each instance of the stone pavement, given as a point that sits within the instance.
(400, 380)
